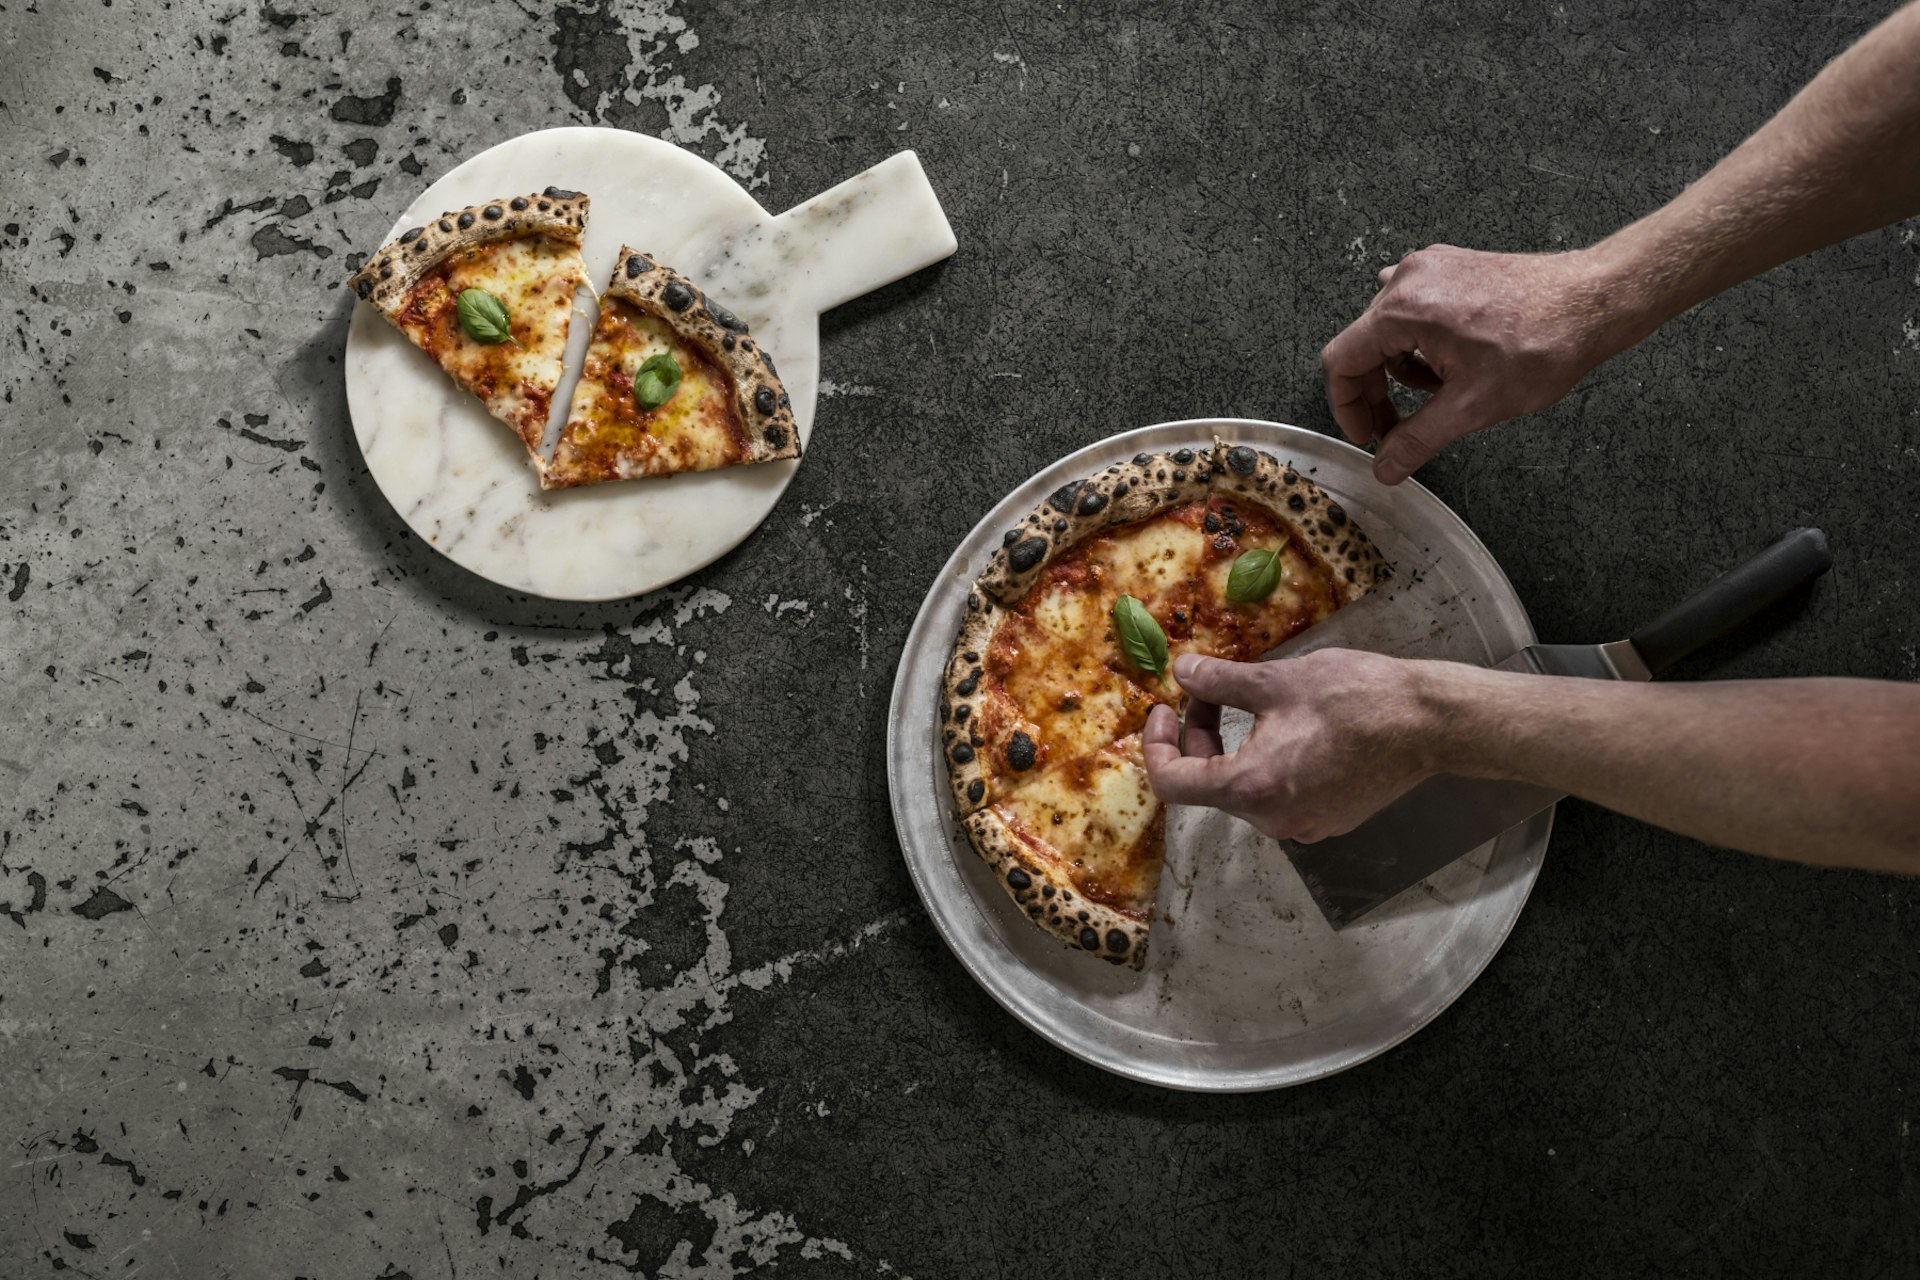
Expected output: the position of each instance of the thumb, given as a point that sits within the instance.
(1250, 686)
(1414, 441)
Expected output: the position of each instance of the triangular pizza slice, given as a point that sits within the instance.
(487, 291)
(673, 382)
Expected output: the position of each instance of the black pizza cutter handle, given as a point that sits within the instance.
(1732, 598)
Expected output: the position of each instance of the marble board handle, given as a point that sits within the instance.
(877, 226)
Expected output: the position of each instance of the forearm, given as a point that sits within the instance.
(1824, 771)
(1842, 158)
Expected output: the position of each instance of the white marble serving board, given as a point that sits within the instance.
(461, 479)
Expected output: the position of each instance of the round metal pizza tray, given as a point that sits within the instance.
(1246, 987)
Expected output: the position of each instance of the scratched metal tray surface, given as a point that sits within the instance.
(1246, 986)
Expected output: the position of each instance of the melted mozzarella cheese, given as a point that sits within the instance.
(1152, 559)
(1069, 608)
(1095, 816)
(609, 435)
(1064, 687)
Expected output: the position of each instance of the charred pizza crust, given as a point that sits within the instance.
(1043, 891)
(388, 276)
(760, 398)
(1144, 486)
(963, 703)
(1353, 562)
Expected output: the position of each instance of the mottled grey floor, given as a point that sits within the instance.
(363, 921)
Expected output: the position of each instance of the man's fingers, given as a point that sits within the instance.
(1202, 733)
(1179, 779)
(1356, 376)
(1356, 380)
(1249, 685)
(1163, 729)
(1201, 775)
(1386, 274)
(1198, 736)
(1361, 404)
(1412, 370)
(1414, 442)
(1160, 746)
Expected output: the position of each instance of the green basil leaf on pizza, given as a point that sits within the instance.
(1253, 577)
(657, 380)
(1144, 643)
(483, 317)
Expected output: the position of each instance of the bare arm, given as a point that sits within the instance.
(1497, 335)
(1822, 771)
(1842, 158)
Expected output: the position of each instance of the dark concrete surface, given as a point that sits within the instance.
(364, 921)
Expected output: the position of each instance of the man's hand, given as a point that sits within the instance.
(1494, 335)
(1813, 770)
(1491, 335)
(1336, 735)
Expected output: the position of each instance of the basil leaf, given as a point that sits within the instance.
(1253, 577)
(483, 316)
(1140, 636)
(657, 380)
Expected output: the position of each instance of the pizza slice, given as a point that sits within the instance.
(1067, 645)
(673, 382)
(1327, 541)
(487, 291)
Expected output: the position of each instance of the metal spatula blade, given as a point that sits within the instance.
(1445, 817)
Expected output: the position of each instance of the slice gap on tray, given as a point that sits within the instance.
(488, 293)
(672, 382)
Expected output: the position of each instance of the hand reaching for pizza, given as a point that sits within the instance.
(1491, 335)
(1494, 335)
(1335, 737)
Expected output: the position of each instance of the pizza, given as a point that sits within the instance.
(487, 291)
(673, 382)
(1047, 693)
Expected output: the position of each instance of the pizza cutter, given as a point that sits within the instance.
(1445, 817)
